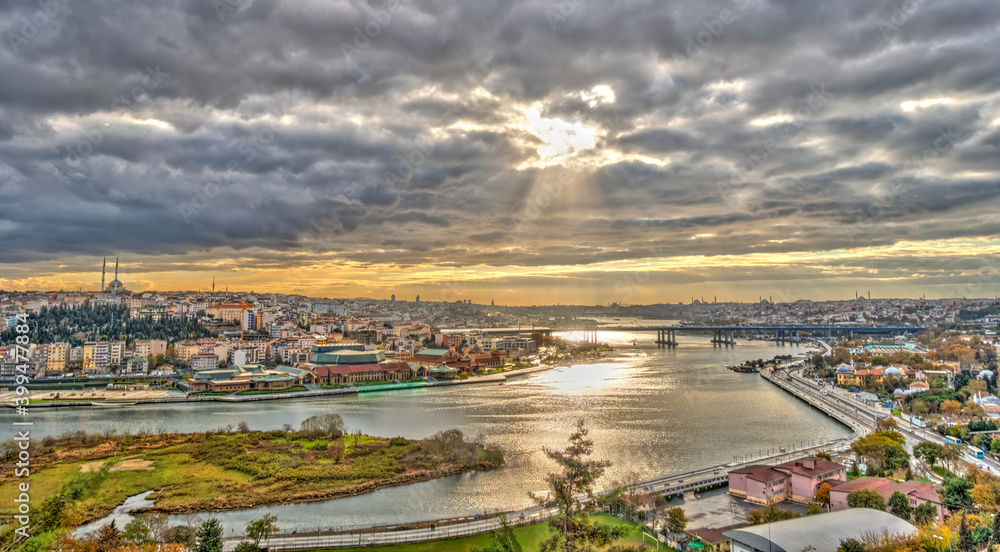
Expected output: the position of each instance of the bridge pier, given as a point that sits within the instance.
(724, 337)
(666, 338)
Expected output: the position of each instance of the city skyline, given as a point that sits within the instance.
(527, 153)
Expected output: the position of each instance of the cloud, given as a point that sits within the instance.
(287, 129)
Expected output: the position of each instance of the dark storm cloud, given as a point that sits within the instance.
(734, 126)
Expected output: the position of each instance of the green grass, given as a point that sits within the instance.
(378, 382)
(941, 471)
(332, 386)
(530, 537)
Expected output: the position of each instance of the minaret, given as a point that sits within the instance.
(116, 275)
(213, 284)
(104, 270)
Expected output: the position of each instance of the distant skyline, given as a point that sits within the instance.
(529, 152)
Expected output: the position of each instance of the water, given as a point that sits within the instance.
(650, 411)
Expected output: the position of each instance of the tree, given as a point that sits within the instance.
(676, 520)
(538, 338)
(965, 543)
(956, 494)
(246, 546)
(331, 424)
(951, 407)
(823, 494)
(576, 476)
(262, 529)
(336, 450)
(883, 449)
(108, 537)
(986, 495)
(995, 536)
(768, 514)
(899, 506)
(887, 424)
(950, 452)
(841, 355)
(866, 498)
(924, 514)
(183, 535)
(209, 537)
(136, 531)
(504, 539)
(929, 451)
(851, 545)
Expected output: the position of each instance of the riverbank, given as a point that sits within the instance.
(119, 399)
(193, 473)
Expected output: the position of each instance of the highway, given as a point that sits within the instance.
(869, 414)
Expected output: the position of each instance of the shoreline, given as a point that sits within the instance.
(128, 402)
(317, 496)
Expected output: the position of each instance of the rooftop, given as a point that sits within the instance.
(821, 532)
(764, 474)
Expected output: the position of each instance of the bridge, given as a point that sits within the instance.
(666, 336)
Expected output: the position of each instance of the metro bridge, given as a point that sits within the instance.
(666, 336)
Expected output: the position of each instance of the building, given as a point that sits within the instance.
(249, 323)
(509, 343)
(918, 492)
(225, 312)
(136, 366)
(151, 312)
(98, 355)
(366, 336)
(795, 481)
(56, 357)
(204, 361)
(244, 355)
(250, 377)
(818, 533)
(146, 347)
(434, 356)
(345, 366)
(328, 308)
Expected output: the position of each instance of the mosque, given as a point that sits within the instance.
(115, 287)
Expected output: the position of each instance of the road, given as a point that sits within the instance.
(868, 413)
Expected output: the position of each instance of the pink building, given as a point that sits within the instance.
(758, 484)
(917, 491)
(796, 481)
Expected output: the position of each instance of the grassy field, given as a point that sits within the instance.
(530, 537)
(202, 472)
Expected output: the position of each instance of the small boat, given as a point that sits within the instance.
(743, 368)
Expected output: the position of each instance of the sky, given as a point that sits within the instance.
(524, 152)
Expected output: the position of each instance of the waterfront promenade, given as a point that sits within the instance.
(313, 392)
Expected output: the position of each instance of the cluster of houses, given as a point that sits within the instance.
(798, 481)
(345, 364)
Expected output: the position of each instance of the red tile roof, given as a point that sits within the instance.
(764, 474)
(799, 467)
(923, 490)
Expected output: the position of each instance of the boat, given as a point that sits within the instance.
(743, 368)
